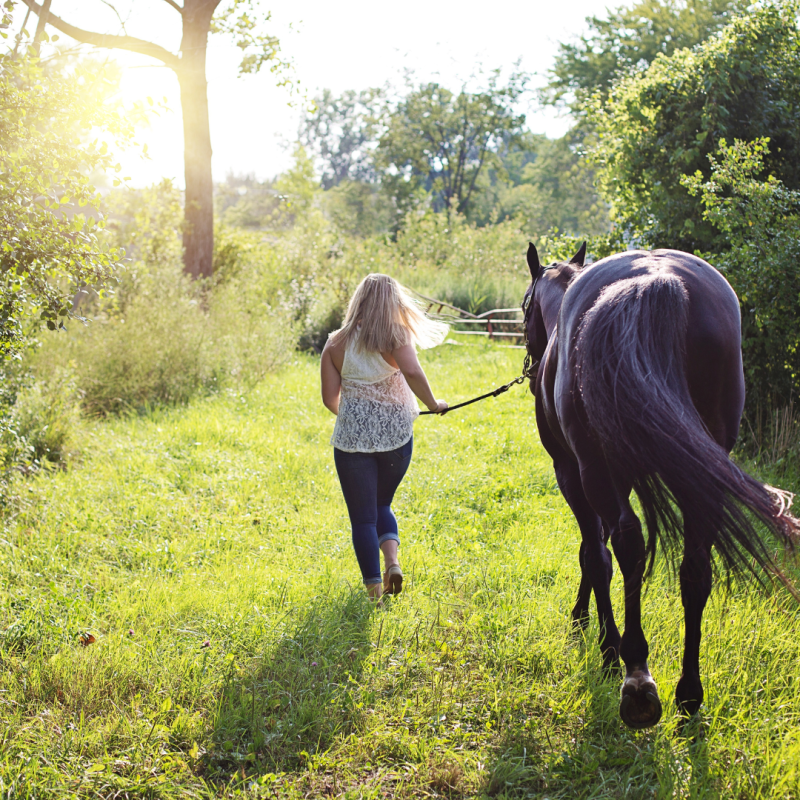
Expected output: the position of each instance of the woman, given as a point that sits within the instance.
(369, 370)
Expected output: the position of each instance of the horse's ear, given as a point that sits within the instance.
(580, 256)
(533, 261)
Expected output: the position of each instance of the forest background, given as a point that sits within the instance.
(684, 135)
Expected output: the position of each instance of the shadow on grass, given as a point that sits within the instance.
(576, 746)
(593, 755)
(277, 714)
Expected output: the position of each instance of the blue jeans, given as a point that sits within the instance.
(369, 481)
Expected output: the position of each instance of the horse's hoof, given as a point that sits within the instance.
(639, 705)
(689, 695)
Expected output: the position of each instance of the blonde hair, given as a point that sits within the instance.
(385, 316)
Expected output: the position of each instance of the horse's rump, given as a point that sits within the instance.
(631, 366)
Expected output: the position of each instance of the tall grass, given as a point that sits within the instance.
(38, 429)
(164, 348)
(206, 549)
(158, 339)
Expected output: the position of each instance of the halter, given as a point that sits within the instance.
(529, 366)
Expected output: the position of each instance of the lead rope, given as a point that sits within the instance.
(529, 366)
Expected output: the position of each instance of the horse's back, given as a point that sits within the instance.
(712, 338)
(711, 297)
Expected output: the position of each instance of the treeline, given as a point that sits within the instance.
(380, 158)
(685, 135)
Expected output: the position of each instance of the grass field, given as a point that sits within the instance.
(206, 549)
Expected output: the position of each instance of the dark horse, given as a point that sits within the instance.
(640, 388)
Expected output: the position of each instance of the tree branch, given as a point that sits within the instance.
(18, 37)
(116, 14)
(43, 17)
(174, 5)
(108, 40)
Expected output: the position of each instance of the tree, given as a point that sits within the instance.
(663, 123)
(341, 134)
(438, 143)
(630, 38)
(199, 19)
(49, 218)
(544, 184)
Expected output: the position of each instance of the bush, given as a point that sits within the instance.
(170, 345)
(315, 310)
(472, 268)
(39, 424)
(664, 122)
(42, 423)
(476, 269)
(760, 221)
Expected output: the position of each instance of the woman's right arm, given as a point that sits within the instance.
(331, 380)
(407, 361)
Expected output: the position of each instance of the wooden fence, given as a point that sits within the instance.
(498, 323)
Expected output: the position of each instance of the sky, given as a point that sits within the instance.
(349, 44)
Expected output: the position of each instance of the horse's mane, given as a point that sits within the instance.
(569, 269)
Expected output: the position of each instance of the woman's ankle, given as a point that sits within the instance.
(389, 550)
(375, 591)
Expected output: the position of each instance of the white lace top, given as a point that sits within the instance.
(377, 408)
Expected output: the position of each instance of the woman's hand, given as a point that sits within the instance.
(441, 407)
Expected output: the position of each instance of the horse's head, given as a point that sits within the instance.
(543, 299)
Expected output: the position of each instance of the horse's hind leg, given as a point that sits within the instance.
(580, 611)
(695, 575)
(596, 563)
(639, 706)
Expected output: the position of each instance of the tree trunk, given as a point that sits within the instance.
(190, 67)
(198, 232)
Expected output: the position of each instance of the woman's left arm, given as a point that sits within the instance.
(331, 380)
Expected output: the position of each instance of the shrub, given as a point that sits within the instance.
(315, 310)
(760, 219)
(473, 268)
(42, 423)
(162, 339)
(39, 424)
(665, 121)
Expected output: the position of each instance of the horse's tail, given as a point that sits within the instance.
(631, 365)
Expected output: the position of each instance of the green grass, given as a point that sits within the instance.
(207, 551)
